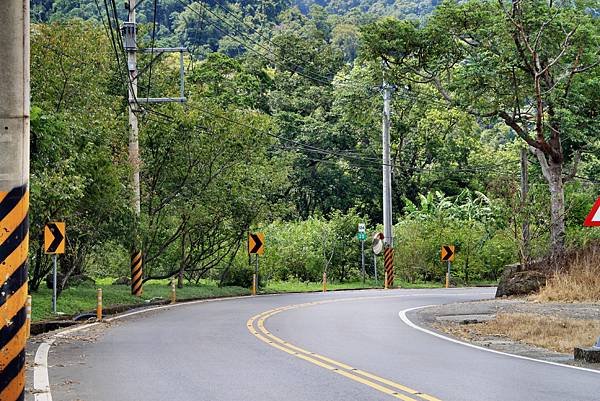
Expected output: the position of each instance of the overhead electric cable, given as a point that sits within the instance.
(312, 77)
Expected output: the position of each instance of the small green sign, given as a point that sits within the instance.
(362, 236)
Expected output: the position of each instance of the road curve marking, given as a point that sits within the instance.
(41, 383)
(256, 326)
(405, 319)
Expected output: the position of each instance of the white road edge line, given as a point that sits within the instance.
(407, 321)
(41, 383)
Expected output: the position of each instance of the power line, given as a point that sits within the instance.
(372, 162)
(299, 145)
(312, 77)
(265, 38)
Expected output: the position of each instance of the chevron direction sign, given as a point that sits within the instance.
(256, 243)
(54, 238)
(447, 254)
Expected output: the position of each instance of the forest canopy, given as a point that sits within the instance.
(281, 132)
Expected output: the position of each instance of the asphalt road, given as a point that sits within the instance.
(334, 347)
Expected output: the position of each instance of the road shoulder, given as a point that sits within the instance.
(458, 321)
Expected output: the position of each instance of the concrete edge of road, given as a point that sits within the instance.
(403, 316)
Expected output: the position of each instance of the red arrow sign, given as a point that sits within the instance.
(593, 219)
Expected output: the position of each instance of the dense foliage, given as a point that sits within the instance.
(281, 134)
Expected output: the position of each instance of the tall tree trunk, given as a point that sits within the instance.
(557, 209)
(552, 172)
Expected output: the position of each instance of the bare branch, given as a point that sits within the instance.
(511, 122)
(543, 162)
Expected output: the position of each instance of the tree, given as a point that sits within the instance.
(530, 64)
(78, 158)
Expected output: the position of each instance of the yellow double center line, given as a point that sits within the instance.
(256, 326)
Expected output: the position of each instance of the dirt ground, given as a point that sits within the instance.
(475, 322)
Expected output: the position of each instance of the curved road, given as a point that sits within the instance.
(298, 347)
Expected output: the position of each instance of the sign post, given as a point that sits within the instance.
(362, 236)
(362, 259)
(54, 244)
(447, 255)
(256, 246)
(377, 248)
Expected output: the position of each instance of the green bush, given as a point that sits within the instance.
(239, 276)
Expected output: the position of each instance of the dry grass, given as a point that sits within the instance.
(557, 334)
(580, 283)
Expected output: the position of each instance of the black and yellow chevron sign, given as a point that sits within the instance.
(14, 242)
(447, 253)
(256, 243)
(54, 238)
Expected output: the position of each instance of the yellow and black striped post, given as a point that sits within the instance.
(136, 274)
(388, 257)
(14, 242)
(14, 195)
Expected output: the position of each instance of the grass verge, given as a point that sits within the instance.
(83, 298)
(553, 333)
(295, 286)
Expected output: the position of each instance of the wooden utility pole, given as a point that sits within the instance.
(14, 194)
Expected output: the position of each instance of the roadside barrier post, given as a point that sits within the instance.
(28, 316)
(14, 194)
(136, 273)
(99, 305)
(324, 282)
(173, 293)
(388, 260)
(254, 284)
(385, 282)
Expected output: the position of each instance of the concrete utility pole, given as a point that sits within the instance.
(387, 186)
(14, 194)
(524, 195)
(130, 37)
(130, 43)
(134, 146)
